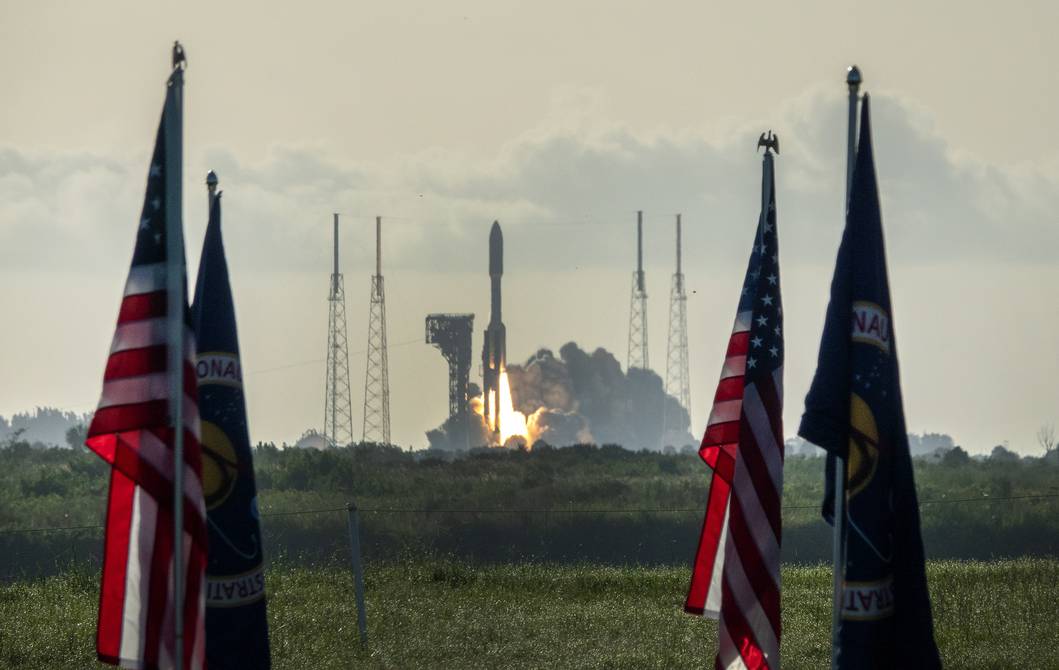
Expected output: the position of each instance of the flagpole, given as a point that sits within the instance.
(211, 190)
(174, 146)
(766, 185)
(853, 80)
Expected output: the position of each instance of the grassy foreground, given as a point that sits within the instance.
(451, 615)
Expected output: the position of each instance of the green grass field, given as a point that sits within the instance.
(451, 615)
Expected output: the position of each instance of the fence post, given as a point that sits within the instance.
(358, 570)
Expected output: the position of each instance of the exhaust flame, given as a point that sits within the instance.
(513, 423)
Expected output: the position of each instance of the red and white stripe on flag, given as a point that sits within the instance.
(735, 575)
(719, 447)
(131, 431)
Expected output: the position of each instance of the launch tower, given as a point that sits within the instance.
(678, 381)
(338, 407)
(376, 426)
(637, 357)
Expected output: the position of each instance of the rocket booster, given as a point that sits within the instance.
(496, 271)
(494, 349)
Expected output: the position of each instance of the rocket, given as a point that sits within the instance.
(494, 349)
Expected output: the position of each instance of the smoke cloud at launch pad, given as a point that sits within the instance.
(579, 397)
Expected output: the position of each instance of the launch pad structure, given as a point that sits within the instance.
(451, 333)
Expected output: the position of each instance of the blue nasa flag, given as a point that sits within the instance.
(854, 410)
(236, 621)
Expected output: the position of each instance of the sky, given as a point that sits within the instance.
(561, 120)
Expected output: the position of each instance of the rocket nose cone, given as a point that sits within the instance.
(496, 250)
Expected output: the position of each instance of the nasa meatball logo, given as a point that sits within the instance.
(864, 456)
(220, 465)
(863, 445)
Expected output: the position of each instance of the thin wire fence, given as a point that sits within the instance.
(540, 510)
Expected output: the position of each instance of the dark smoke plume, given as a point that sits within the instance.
(630, 409)
(582, 398)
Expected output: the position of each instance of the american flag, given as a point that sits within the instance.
(736, 576)
(133, 432)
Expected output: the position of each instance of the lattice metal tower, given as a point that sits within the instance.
(637, 357)
(678, 382)
(452, 334)
(338, 404)
(377, 371)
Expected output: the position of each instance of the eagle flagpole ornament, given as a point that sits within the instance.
(769, 142)
(180, 59)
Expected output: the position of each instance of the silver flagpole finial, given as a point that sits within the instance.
(853, 76)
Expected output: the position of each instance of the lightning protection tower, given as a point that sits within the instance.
(377, 372)
(637, 357)
(338, 406)
(678, 382)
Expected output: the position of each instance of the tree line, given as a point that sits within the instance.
(580, 503)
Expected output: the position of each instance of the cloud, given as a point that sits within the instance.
(57, 207)
(566, 192)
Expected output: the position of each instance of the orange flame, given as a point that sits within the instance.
(512, 422)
